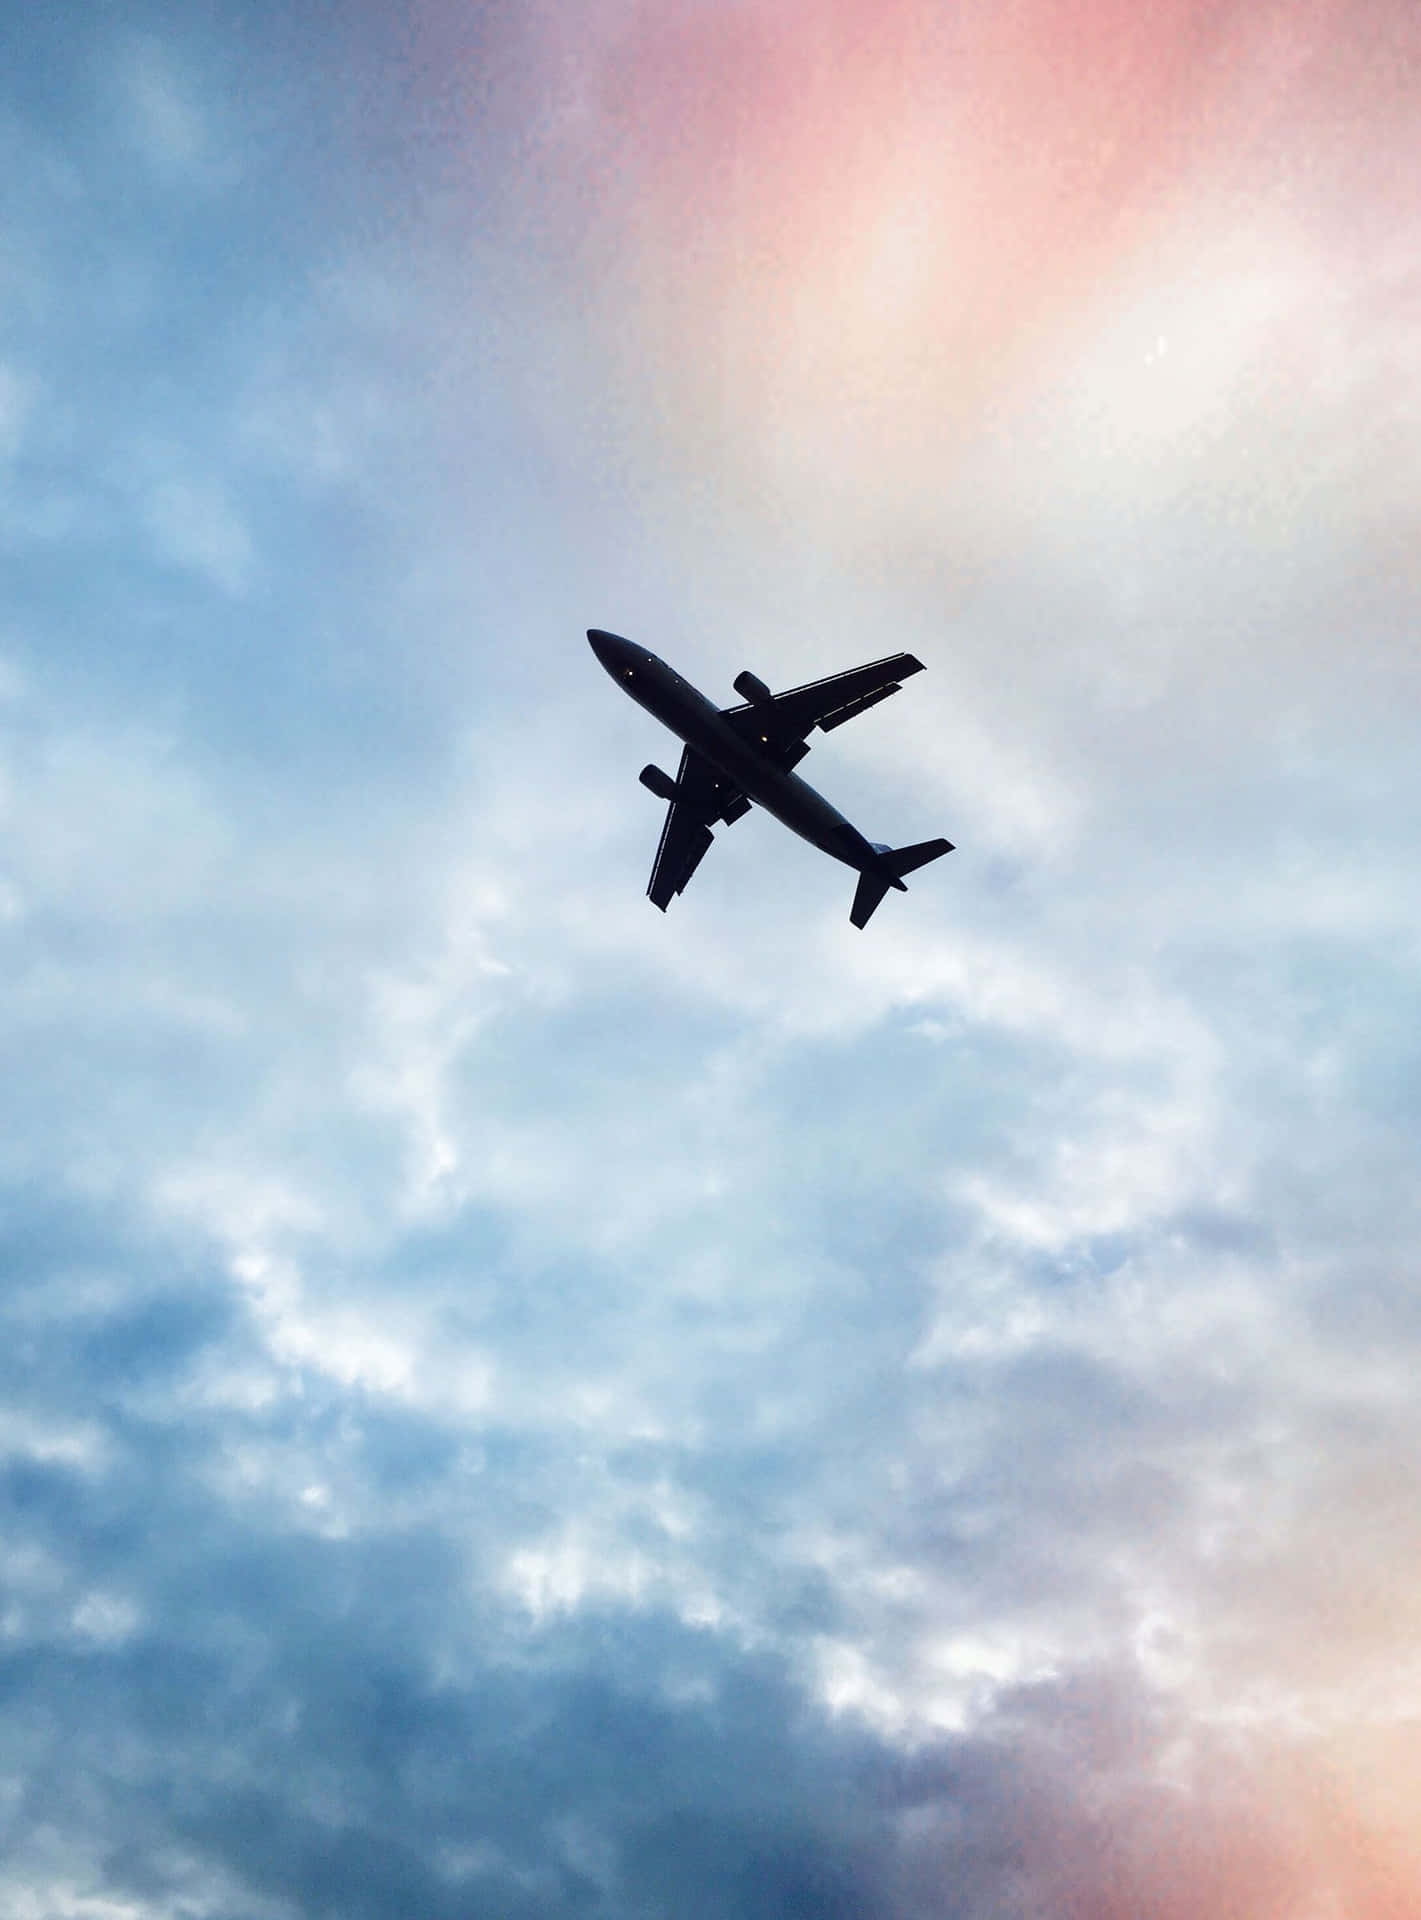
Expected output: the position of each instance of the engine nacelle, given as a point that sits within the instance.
(752, 689)
(658, 782)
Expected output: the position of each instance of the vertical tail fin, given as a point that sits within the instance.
(892, 864)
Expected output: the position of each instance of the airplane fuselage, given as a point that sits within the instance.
(700, 724)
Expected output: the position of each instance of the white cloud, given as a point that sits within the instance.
(509, 1386)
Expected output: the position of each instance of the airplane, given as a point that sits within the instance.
(737, 756)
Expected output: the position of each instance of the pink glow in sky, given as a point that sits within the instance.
(514, 1404)
(901, 217)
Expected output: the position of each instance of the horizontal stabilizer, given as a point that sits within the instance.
(903, 860)
(892, 864)
(870, 890)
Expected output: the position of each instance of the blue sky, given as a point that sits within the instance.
(513, 1404)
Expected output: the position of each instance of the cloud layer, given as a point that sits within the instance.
(514, 1404)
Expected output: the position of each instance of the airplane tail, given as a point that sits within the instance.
(888, 871)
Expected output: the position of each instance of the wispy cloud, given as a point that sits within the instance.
(174, 124)
(515, 1402)
(194, 525)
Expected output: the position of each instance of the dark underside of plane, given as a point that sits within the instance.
(736, 757)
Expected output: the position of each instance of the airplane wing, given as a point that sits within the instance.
(784, 721)
(702, 798)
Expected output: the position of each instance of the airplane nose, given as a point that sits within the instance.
(606, 646)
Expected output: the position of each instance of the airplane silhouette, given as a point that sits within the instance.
(737, 756)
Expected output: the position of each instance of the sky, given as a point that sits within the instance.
(515, 1405)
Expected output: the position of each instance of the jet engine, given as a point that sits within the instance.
(658, 782)
(752, 689)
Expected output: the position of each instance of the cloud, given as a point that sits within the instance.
(515, 1402)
